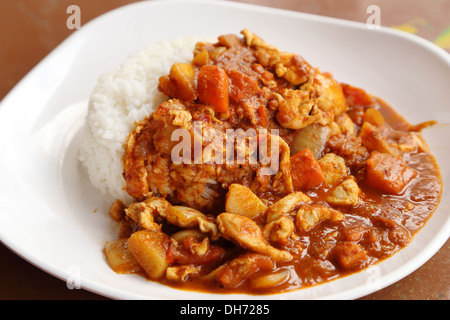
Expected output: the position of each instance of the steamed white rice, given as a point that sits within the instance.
(121, 98)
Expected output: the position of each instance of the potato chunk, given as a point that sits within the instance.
(150, 250)
(241, 200)
(180, 83)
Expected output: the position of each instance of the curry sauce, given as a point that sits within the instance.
(346, 184)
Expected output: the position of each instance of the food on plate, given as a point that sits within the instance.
(244, 169)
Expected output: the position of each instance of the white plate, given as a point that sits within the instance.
(47, 204)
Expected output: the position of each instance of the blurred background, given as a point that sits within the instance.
(30, 29)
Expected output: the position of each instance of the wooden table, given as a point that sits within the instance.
(30, 29)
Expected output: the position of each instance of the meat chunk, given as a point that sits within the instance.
(333, 168)
(248, 235)
(346, 125)
(285, 205)
(309, 215)
(144, 212)
(186, 217)
(240, 268)
(387, 140)
(182, 273)
(349, 255)
(279, 231)
(191, 251)
(295, 109)
(388, 173)
(347, 193)
(243, 201)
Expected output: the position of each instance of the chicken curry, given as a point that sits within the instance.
(353, 181)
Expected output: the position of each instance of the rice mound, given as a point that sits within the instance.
(119, 100)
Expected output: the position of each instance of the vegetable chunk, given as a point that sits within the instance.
(388, 173)
(305, 170)
(119, 257)
(213, 87)
(150, 250)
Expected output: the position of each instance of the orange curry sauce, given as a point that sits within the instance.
(345, 220)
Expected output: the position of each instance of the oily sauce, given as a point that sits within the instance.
(376, 227)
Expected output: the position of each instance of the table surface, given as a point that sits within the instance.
(30, 29)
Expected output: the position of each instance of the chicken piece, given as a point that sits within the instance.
(286, 205)
(279, 231)
(241, 200)
(182, 273)
(295, 109)
(388, 173)
(345, 124)
(349, 255)
(173, 113)
(309, 215)
(191, 251)
(289, 66)
(305, 170)
(150, 250)
(333, 168)
(186, 217)
(349, 148)
(317, 101)
(239, 269)
(329, 94)
(248, 235)
(275, 163)
(347, 193)
(374, 140)
(298, 108)
(144, 212)
(384, 139)
(283, 178)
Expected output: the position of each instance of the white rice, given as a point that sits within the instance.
(121, 98)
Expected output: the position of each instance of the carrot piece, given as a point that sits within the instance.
(213, 87)
(305, 171)
(388, 173)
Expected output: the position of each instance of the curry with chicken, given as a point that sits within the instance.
(352, 184)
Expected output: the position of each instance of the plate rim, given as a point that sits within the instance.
(58, 272)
